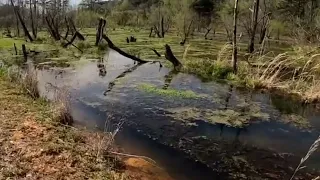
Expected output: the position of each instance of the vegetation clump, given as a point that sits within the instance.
(170, 92)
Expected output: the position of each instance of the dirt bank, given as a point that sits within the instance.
(32, 146)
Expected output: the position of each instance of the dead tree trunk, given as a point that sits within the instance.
(52, 31)
(26, 32)
(68, 28)
(162, 27)
(206, 35)
(169, 56)
(112, 46)
(102, 23)
(34, 32)
(151, 31)
(15, 48)
(186, 34)
(24, 51)
(254, 23)
(79, 35)
(157, 31)
(234, 42)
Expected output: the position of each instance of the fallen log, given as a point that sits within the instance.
(156, 52)
(112, 46)
(170, 57)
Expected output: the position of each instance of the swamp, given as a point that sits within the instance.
(160, 89)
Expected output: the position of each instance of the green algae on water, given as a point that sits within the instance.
(169, 92)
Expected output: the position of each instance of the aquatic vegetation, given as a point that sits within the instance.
(229, 117)
(169, 92)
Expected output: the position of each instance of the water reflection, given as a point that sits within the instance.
(147, 112)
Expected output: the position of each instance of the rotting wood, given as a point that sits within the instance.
(169, 56)
(112, 46)
(79, 35)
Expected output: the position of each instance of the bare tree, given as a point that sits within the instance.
(254, 24)
(234, 42)
(17, 13)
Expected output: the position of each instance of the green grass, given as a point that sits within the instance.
(149, 88)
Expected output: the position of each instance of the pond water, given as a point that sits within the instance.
(187, 134)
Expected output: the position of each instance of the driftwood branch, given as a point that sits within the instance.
(114, 47)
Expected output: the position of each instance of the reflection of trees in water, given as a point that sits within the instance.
(101, 68)
(168, 78)
(128, 71)
(226, 107)
(288, 106)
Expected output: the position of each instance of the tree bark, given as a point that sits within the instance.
(234, 42)
(26, 32)
(254, 23)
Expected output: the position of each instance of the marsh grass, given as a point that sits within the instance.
(29, 83)
(62, 106)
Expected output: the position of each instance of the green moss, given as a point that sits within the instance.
(169, 92)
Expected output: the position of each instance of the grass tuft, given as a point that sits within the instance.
(62, 106)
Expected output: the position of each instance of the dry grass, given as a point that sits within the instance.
(32, 147)
(313, 148)
(296, 72)
(29, 83)
(61, 106)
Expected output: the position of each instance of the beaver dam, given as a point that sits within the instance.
(192, 129)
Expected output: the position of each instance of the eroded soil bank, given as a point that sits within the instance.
(34, 146)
